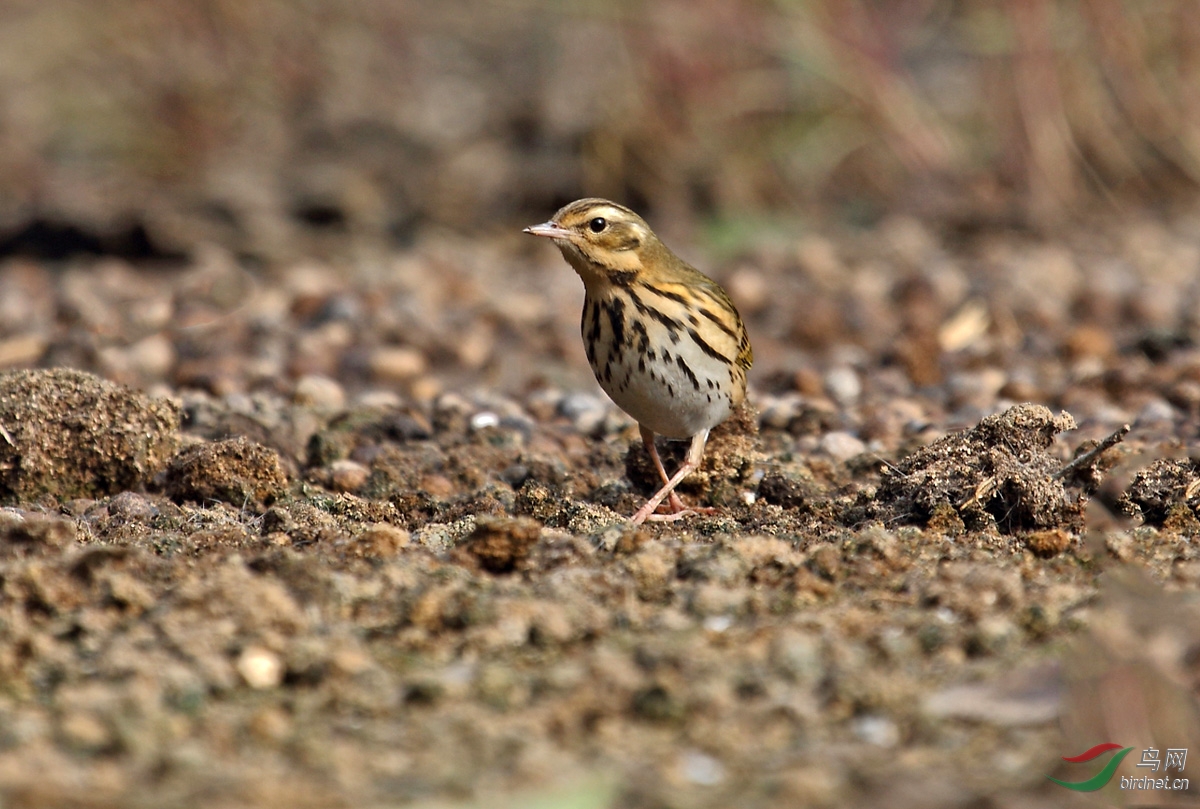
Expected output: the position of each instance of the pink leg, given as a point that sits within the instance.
(690, 464)
(674, 503)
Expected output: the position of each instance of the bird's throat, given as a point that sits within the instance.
(599, 276)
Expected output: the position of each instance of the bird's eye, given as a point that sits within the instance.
(598, 224)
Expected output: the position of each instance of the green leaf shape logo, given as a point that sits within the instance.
(1099, 779)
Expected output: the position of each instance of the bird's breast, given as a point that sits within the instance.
(660, 361)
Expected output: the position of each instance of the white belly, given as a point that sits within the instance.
(673, 398)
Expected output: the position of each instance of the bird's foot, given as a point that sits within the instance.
(674, 509)
(690, 511)
(670, 517)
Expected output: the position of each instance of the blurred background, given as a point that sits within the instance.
(146, 127)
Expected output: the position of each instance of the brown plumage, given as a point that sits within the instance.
(664, 340)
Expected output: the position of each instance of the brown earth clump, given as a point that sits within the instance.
(502, 544)
(1162, 490)
(996, 472)
(236, 471)
(67, 434)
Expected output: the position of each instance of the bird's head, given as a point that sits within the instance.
(600, 239)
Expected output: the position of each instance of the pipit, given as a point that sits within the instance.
(664, 340)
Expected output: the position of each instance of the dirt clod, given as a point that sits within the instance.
(70, 434)
(1158, 490)
(35, 530)
(783, 491)
(1047, 544)
(380, 540)
(235, 471)
(502, 544)
(996, 471)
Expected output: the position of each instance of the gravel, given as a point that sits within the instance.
(362, 542)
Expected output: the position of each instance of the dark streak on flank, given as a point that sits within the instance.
(638, 303)
(673, 326)
(744, 350)
(639, 328)
(709, 350)
(663, 293)
(616, 319)
(720, 324)
(687, 371)
(594, 315)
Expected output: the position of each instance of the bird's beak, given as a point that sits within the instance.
(551, 230)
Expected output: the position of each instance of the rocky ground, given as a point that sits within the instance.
(350, 532)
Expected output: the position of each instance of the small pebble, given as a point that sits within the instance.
(718, 623)
(544, 403)
(842, 446)
(515, 475)
(777, 412)
(152, 357)
(843, 385)
(481, 421)
(378, 400)
(593, 423)
(339, 307)
(396, 363)
(701, 768)
(84, 731)
(425, 388)
(320, 393)
(1155, 412)
(133, 507)
(259, 667)
(574, 405)
(877, 730)
(381, 540)
(347, 476)
(977, 388)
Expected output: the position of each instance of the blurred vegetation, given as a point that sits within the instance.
(217, 120)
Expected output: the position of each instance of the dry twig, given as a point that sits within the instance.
(1092, 454)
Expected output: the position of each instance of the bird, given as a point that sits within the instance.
(664, 340)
